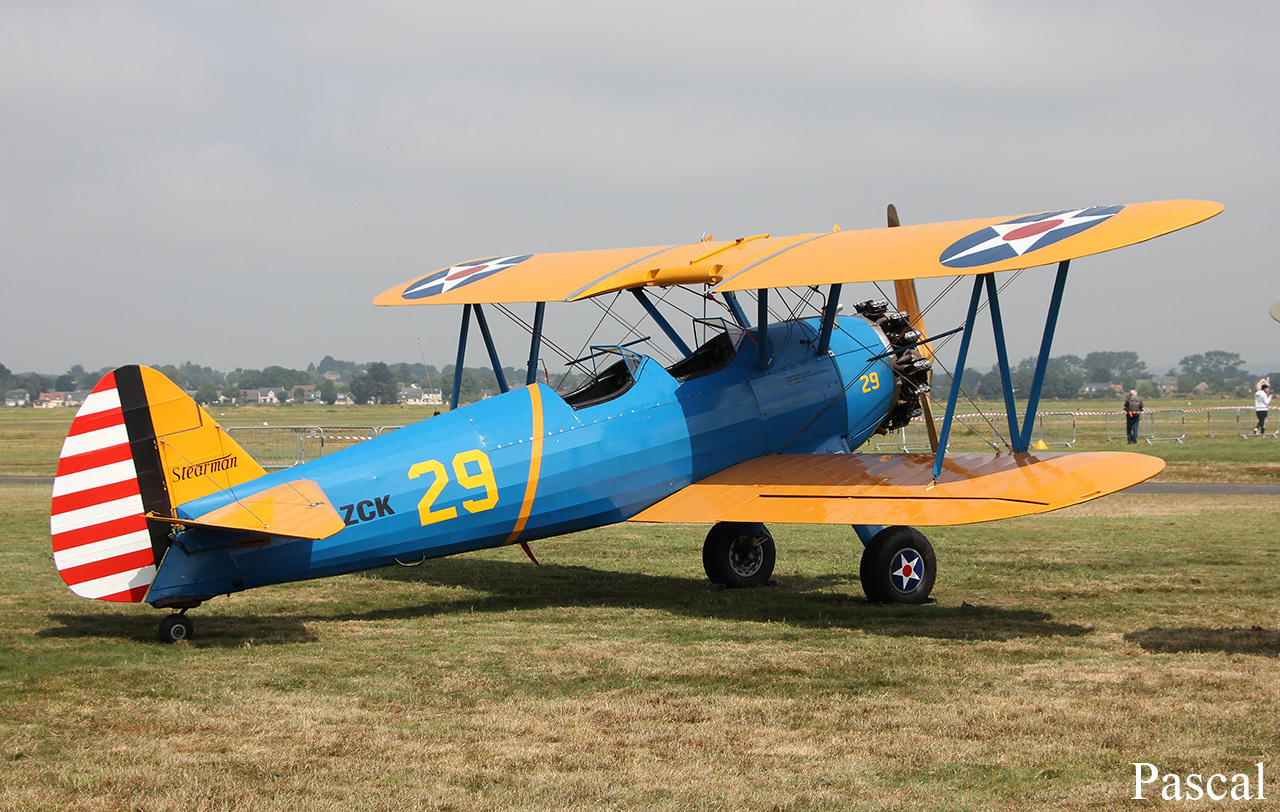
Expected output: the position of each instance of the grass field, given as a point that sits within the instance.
(1061, 649)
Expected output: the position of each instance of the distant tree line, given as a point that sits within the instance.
(373, 382)
(1213, 373)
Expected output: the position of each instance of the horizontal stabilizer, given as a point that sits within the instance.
(898, 489)
(297, 510)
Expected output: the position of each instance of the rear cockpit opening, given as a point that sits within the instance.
(606, 382)
(721, 339)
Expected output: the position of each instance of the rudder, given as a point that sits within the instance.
(137, 446)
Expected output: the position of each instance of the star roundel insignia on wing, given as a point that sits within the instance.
(458, 275)
(1022, 236)
(906, 568)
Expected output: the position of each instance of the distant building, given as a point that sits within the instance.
(17, 397)
(1165, 384)
(310, 394)
(418, 396)
(269, 396)
(51, 400)
(1095, 388)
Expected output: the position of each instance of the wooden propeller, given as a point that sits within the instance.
(905, 292)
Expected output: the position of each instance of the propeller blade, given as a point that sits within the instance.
(905, 292)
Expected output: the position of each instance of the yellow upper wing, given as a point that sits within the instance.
(909, 252)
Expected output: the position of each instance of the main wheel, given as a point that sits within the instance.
(738, 555)
(175, 627)
(898, 566)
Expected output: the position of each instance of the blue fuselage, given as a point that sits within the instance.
(527, 465)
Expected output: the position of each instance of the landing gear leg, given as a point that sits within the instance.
(738, 555)
(898, 566)
(176, 627)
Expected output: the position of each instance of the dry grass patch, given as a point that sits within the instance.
(1062, 647)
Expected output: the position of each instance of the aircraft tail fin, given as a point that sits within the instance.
(138, 445)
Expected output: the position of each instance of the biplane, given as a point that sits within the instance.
(758, 423)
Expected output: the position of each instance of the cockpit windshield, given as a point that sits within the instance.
(720, 341)
(608, 380)
(614, 367)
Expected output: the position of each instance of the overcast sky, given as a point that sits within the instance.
(232, 183)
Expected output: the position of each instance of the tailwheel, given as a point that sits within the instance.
(898, 566)
(175, 627)
(738, 555)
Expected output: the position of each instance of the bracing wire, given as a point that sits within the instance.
(946, 339)
(590, 337)
(528, 328)
(253, 559)
(162, 441)
(995, 431)
(791, 319)
(632, 329)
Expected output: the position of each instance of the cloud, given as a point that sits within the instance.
(278, 166)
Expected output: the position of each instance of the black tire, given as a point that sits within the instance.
(174, 628)
(737, 559)
(867, 568)
(898, 566)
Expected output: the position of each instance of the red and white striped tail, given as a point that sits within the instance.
(101, 544)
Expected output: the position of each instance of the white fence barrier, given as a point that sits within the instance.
(286, 446)
(1051, 428)
(1239, 420)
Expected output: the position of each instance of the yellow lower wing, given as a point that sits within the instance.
(890, 489)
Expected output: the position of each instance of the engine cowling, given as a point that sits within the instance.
(911, 370)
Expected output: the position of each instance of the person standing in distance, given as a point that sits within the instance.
(1262, 402)
(1132, 415)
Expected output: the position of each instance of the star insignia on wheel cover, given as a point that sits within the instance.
(456, 276)
(907, 568)
(1023, 235)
